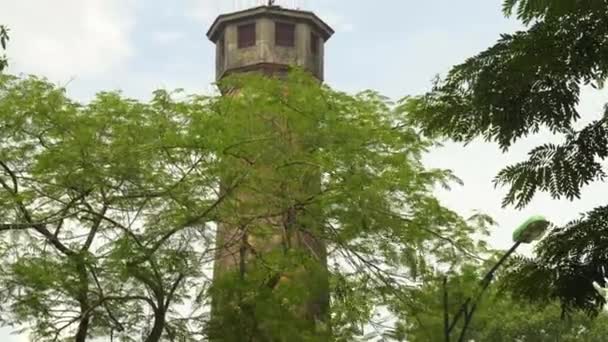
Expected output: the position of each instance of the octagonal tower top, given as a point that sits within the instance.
(269, 39)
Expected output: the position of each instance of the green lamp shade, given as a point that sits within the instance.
(531, 230)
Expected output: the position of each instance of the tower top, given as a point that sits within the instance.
(270, 10)
(269, 39)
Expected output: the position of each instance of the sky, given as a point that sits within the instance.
(393, 46)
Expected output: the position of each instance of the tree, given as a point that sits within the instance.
(526, 81)
(499, 316)
(373, 208)
(98, 199)
(108, 209)
(3, 41)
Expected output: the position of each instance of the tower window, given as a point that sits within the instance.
(314, 43)
(285, 34)
(246, 35)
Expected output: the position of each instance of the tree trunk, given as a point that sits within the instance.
(158, 327)
(83, 328)
(83, 300)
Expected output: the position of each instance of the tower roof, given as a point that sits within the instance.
(269, 11)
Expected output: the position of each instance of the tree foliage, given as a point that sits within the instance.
(108, 209)
(499, 316)
(529, 80)
(3, 41)
(90, 194)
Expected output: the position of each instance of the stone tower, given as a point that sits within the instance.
(269, 40)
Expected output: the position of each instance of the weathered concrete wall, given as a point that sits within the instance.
(230, 57)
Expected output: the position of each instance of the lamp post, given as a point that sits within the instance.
(532, 229)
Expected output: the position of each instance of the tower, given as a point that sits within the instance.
(269, 40)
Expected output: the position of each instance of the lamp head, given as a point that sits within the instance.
(532, 229)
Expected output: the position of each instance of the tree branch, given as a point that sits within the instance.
(171, 293)
(13, 178)
(95, 228)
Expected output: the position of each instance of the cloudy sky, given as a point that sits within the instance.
(393, 46)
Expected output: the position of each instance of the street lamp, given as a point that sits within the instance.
(532, 229)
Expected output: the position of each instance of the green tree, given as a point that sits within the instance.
(97, 201)
(108, 209)
(3, 41)
(374, 207)
(499, 316)
(530, 80)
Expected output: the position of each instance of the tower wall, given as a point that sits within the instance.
(237, 252)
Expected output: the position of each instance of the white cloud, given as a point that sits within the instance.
(8, 335)
(167, 37)
(337, 21)
(207, 10)
(68, 38)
